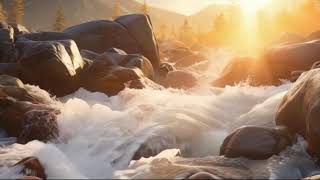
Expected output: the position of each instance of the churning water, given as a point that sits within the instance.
(100, 134)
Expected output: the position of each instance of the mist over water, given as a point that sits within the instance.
(99, 134)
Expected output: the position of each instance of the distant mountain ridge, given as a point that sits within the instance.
(40, 14)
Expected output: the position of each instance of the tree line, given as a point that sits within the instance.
(16, 13)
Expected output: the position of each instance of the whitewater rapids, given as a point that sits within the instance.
(100, 134)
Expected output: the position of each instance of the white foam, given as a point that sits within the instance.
(100, 134)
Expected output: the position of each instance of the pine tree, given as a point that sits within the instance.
(60, 22)
(18, 11)
(144, 8)
(3, 13)
(116, 10)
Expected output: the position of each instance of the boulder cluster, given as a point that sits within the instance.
(99, 55)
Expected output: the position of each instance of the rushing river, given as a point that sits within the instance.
(100, 134)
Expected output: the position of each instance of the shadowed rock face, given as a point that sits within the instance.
(25, 114)
(256, 143)
(300, 110)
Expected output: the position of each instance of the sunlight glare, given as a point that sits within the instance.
(252, 6)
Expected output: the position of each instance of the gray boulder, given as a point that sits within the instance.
(256, 143)
(140, 28)
(52, 65)
(131, 33)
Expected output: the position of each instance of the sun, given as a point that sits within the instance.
(252, 6)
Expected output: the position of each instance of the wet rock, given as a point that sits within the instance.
(255, 143)
(299, 110)
(25, 114)
(28, 121)
(101, 77)
(31, 168)
(180, 80)
(140, 28)
(13, 87)
(52, 65)
(117, 57)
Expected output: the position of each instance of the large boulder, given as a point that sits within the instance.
(276, 65)
(140, 28)
(99, 36)
(256, 143)
(52, 65)
(287, 58)
(25, 112)
(117, 57)
(300, 110)
(132, 33)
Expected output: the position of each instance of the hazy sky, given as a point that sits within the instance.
(184, 6)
